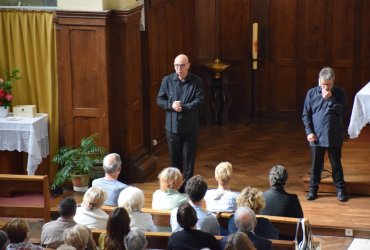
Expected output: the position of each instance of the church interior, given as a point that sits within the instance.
(96, 70)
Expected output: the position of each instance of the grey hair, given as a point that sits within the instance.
(326, 73)
(131, 198)
(278, 176)
(245, 219)
(135, 240)
(112, 163)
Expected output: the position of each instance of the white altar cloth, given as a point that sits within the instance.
(360, 112)
(26, 135)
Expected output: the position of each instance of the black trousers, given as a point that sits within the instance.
(182, 148)
(335, 154)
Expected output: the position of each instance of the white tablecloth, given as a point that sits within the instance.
(360, 112)
(26, 135)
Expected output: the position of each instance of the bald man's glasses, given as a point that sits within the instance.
(181, 66)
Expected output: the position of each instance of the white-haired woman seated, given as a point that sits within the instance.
(168, 197)
(132, 199)
(222, 199)
(90, 214)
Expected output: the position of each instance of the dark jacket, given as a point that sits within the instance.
(281, 203)
(324, 117)
(191, 239)
(190, 93)
(264, 228)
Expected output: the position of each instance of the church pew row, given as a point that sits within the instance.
(286, 225)
(27, 186)
(159, 240)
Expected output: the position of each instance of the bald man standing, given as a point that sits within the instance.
(181, 94)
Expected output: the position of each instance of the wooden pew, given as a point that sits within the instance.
(159, 240)
(10, 184)
(286, 225)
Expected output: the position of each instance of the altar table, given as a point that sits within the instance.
(360, 112)
(26, 135)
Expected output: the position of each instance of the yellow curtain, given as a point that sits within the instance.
(27, 42)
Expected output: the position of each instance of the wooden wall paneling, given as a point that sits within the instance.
(169, 29)
(283, 46)
(259, 12)
(206, 30)
(126, 55)
(234, 30)
(82, 65)
(343, 44)
(364, 43)
(156, 35)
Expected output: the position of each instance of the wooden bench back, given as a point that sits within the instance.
(10, 183)
(159, 240)
(286, 225)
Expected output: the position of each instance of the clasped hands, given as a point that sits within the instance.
(176, 105)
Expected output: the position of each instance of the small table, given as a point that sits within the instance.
(360, 112)
(26, 135)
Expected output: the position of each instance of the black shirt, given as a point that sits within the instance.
(190, 93)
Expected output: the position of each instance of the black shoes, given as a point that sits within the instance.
(341, 196)
(312, 195)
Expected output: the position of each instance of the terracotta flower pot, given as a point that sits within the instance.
(81, 183)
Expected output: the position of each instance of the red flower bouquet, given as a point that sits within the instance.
(6, 88)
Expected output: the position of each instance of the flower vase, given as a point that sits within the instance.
(4, 111)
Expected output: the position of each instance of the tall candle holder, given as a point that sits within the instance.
(219, 97)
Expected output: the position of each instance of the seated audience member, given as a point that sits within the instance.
(76, 237)
(18, 233)
(196, 188)
(90, 213)
(222, 199)
(135, 240)
(253, 198)
(109, 183)
(168, 197)
(3, 240)
(239, 241)
(245, 221)
(52, 232)
(278, 201)
(190, 236)
(132, 199)
(118, 227)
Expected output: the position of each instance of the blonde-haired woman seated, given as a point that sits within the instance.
(132, 199)
(90, 214)
(168, 197)
(79, 237)
(18, 234)
(222, 198)
(253, 198)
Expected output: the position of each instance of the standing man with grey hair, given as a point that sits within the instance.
(109, 183)
(322, 117)
(181, 94)
(246, 221)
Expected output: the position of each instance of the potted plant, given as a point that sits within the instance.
(76, 163)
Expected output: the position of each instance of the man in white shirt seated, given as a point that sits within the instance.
(109, 183)
(196, 188)
(52, 232)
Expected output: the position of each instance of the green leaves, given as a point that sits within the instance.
(77, 161)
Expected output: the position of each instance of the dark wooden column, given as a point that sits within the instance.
(127, 124)
(99, 75)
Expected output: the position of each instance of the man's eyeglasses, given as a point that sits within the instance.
(181, 66)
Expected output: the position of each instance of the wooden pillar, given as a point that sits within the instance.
(100, 88)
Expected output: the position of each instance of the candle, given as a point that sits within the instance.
(254, 45)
